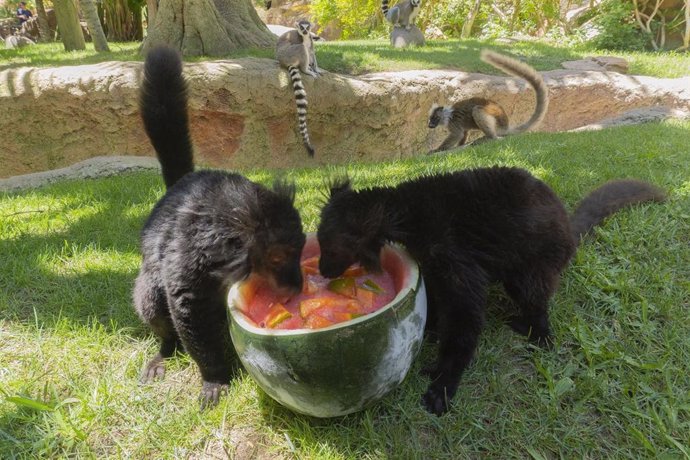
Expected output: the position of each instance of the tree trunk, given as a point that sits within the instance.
(208, 27)
(88, 8)
(686, 34)
(121, 21)
(68, 24)
(152, 10)
(467, 26)
(43, 27)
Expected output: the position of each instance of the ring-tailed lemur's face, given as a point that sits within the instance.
(435, 116)
(303, 27)
(415, 3)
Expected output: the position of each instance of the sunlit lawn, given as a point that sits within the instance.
(615, 385)
(364, 56)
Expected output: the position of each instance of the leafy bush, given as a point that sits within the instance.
(613, 20)
(617, 28)
(356, 18)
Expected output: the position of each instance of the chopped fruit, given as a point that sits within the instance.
(310, 286)
(322, 302)
(247, 291)
(315, 321)
(354, 271)
(366, 297)
(354, 306)
(311, 262)
(310, 266)
(372, 286)
(343, 286)
(309, 305)
(276, 315)
(306, 307)
(339, 316)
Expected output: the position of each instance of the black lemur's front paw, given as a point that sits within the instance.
(211, 393)
(435, 399)
(536, 329)
(154, 370)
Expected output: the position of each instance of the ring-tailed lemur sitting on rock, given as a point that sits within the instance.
(403, 14)
(295, 51)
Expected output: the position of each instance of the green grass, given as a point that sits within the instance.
(614, 385)
(365, 56)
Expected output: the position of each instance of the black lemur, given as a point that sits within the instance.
(467, 229)
(210, 229)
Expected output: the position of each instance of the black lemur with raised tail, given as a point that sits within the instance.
(210, 229)
(467, 229)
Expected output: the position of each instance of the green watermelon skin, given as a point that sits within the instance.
(339, 369)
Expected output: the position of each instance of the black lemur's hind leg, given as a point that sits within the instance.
(531, 291)
(201, 322)
(459, 293)
(152, 306)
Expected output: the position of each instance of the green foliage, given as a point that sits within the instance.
(617, 27)
(614, 19)
(447, 15)
(356, 18)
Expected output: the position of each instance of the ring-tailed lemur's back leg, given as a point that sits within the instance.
(301, 101)
(485, 122)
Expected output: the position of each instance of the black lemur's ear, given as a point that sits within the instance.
(339, 185)
(284, 188)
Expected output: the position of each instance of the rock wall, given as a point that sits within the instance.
(243, 112)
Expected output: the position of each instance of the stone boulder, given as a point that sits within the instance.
(598, 63)
(402, 38)
(243, 114)
(17, 41)
(637, 116)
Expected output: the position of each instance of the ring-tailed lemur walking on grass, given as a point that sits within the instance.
(403, 14)
(295, 51)
(486, 115)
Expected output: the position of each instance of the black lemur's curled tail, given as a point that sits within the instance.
(609, 198)
(163, 107)
(520, 69)
(301, 101)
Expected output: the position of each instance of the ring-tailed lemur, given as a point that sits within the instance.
(402, 14)
(295, 51)
(485, 114)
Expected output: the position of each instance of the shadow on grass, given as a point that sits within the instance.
(46, 275)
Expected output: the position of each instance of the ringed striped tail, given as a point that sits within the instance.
(301, 101)
(384, 7)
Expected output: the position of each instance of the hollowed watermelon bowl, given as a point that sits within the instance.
(342, 368)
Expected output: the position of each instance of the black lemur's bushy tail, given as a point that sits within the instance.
(384, 7)
(301, 101)
(163, 107)
(609, 198)
(520, 69)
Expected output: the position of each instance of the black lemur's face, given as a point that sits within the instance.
(347, 234)
(435, 116)
(278, 243)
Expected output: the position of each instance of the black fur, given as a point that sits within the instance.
(211, 229)
(467, 229)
